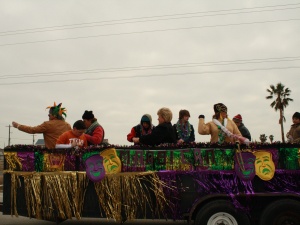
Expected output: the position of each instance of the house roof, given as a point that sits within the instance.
(40, 142)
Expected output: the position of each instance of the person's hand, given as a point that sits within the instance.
(73, 142)
(136, 140)
(15, 124)
(201, 116)
(180, 141)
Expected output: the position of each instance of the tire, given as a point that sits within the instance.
(220, 212)
(281, 212)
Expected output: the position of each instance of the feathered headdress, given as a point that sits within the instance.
(57, 110)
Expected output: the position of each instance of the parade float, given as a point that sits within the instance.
(202, 183)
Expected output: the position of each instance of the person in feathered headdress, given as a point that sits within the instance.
(51, 129)
(56, 112)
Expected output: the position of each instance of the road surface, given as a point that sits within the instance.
(9, 220)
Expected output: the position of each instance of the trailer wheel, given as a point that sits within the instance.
(220, 212)
(281, 212)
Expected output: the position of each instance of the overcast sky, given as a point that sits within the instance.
(122, 59)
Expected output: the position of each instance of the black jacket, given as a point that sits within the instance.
(163, 133)
(244, 131)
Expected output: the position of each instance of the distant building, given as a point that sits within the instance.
(40, 142)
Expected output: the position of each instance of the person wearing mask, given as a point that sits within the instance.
(294, 133)
(162, 133)
(184, 131)
(94, 131)
(51, 129)
(242, 128)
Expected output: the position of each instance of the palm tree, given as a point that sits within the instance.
(281, 95)
(263, 138)
(271, 137)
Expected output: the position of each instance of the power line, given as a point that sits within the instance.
(150, 31)
(154, 75)
(25, 139)
(162, 66)
(9, 132)
(143, 19)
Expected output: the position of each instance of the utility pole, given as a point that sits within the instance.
(9, 134)
(33, 139)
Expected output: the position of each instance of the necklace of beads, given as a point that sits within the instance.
(183, 129)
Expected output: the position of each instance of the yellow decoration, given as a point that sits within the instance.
(111, 161)
(54, 162)
(13, 161)
(264, 165)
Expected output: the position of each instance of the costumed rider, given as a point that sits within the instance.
(221, 128)
(51, 129)
(94, 131)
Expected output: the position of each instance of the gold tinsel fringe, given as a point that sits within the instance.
(131, 193)
(13, 161)
(32, 184)
(51, 195)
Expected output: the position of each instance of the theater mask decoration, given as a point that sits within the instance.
(244, 165)
(56, 161)
(111, 161)
(94, 168)
(264, 165)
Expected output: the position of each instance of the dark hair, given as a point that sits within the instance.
(183, 113)
(79, 125)
(88, 115)
(296, 115)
